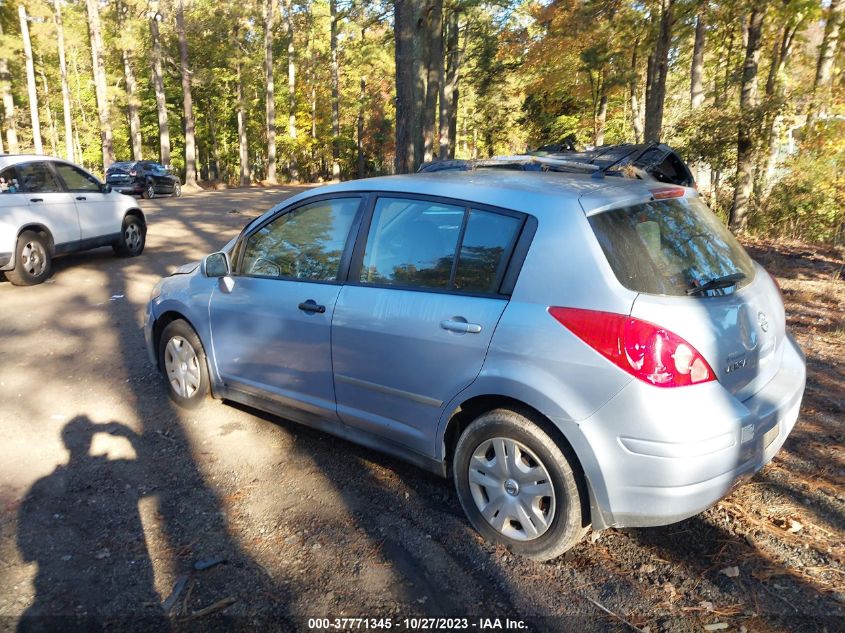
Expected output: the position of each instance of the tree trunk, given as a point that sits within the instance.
(419, 62)
(133, 103)
(187, 101)
(158, 85)
(453, 123)
(100, 82)
(51, 125)
(824, 68)
(243, 145)
(405, 111)
(30, 82)
(448, 86)
(656, 93)
(60, 33)
(634, 90)
(601, 117)
(747, 101)
(335, 92)
(775, 86)
(133, 107)
(8, 101)
(269, 91)
(362, 97)
(435, 70)
(215, 151)
(697, 67)
(293, 168)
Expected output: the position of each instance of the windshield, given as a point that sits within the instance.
(670, 247)
(122, 166)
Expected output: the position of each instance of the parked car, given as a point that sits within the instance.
(51, 207)
(572, 350)
(143, 178)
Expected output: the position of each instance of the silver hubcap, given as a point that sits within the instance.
(150, 191)
(182, 367)
(512, 489)
(132, 236)
(33, 258)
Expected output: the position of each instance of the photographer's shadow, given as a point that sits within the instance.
(82, 526)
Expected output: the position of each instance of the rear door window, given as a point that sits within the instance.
(487, 242)
(412, 243)
(306, 243)
(416, 243)
(671, 247)
(38, 178)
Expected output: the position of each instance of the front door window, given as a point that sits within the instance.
(306, 243)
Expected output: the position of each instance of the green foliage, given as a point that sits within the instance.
(808, 202)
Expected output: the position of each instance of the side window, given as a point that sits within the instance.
(487, 242)
(76, 179)
(37, 178)
(306, 243)
(412, 243)
(9, 180)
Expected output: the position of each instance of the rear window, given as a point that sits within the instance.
(672, 247)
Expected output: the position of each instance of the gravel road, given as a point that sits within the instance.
(109, 495)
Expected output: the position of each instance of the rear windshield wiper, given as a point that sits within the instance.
(719, 282)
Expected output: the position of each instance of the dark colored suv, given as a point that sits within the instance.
(143, 178)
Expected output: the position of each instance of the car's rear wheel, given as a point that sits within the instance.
(133, 237)
(182, 361)
(32, 260)
(517, 486)
(149, 190)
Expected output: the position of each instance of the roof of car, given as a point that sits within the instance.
(527, 191)
(14, 159)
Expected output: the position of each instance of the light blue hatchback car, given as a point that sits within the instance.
(572, 350)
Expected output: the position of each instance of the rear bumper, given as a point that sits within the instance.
(130, 189)
(664, 455)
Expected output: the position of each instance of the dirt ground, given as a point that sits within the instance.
(109, 495)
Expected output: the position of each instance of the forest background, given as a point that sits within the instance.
(751, 93)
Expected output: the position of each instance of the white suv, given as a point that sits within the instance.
(49, 207)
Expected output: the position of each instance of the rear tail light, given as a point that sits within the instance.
(645, 350)
(664, 193)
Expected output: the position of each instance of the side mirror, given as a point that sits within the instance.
(216, 265)
(105, 188)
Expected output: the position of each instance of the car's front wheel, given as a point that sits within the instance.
(133, 237)
(517, 486)
(32, 260)
(181, 358)
(177, 190)
(149, 190)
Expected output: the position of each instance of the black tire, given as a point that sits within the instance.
(33, 263)
(562, 513)
(149, 191)
(133, 237)
(182, 334)
(177, 190)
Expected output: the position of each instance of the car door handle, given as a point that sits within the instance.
(312, 306)
(81, 198)
(36, 199)
(460, 326)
